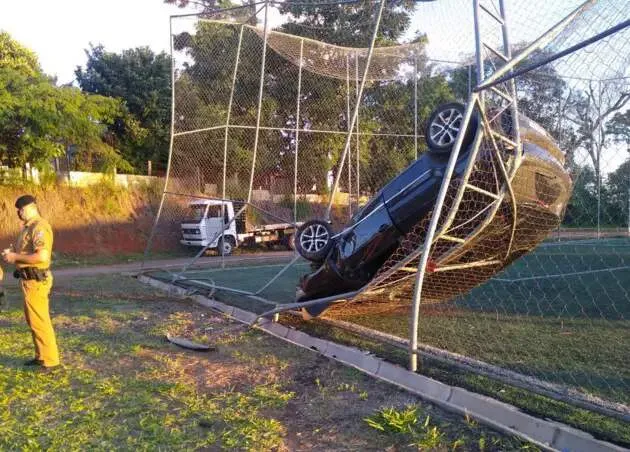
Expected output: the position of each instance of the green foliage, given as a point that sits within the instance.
(16, 57)
(406, 422)
(303, 207)
(39, 120)
(619, 127)
(391, 420)
(140, 79)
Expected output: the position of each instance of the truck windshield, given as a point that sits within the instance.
(196, 213)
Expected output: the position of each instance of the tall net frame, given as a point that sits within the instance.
(250, 128)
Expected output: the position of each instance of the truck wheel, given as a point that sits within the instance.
(313, 240)
(444, 126)
(226, 246)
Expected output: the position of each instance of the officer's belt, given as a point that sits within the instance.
(31, 273)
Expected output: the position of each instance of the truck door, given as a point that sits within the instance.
(214, 221)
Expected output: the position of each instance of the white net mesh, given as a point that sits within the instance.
(510, 279)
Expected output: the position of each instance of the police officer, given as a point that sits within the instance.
(32, 257)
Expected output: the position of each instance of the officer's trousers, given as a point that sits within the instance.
(36, 310)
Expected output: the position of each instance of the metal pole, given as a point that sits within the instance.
(358, 137)
(428, 241)
(356, 110)
(260, 98)
(478, 54)
(251, 178)
(512, 83)
(227, 131)
(539, 43)
(297, 133)
(598, 150)
(558, 55)
(415, 104)
(170, 153)
(349, 131)
(469, 80)
(628, 165)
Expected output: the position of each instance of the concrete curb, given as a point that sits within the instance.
(499, 415)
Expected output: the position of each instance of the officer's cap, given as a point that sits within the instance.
(24, 201)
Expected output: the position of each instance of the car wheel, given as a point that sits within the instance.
(313, 240)
(444, 126)
(226, 245)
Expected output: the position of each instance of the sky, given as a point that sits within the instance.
(60, 30)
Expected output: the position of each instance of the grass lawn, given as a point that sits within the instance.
(124, 387)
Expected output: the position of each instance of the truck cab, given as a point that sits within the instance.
(203, 225)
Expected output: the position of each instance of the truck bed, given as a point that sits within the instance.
(271, 227)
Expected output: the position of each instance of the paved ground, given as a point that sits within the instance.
(167, 263)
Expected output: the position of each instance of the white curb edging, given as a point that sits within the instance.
(502, 416)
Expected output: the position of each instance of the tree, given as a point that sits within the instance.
(39, 120)
(17, 57)
(619, 127)
(618, 191)
(581, 209)
(141, 79)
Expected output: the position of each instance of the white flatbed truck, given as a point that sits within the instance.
(207, 218)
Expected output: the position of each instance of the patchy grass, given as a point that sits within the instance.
(124, 387)
(601, 426)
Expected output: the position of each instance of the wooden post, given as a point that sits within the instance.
(149, 168)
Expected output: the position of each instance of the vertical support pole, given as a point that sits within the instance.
(226, 136)
(260, 98)
(469, 80)
(243, 209)
(199, 180)
(350, 132)
(598, 151)
(358, 137)
(628, 179)
(297, 131)
(170, 152)
(507, 50)
(149, 168)
(478, 50)
(356, 110)
(428, 241)
(415, 103)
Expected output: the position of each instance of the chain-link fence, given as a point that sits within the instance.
(514, 259)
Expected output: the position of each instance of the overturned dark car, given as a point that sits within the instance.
(502, 201)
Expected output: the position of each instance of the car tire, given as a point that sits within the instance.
(313, 240)
(226, 246)
(444, 125)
